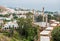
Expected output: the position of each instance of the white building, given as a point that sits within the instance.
(9, 10)
(3, 13)
(10, 24)
(42, 24)
(20, 14)
(45, 35)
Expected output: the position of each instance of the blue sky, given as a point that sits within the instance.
(50, 5)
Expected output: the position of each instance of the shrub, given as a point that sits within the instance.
(56, 34)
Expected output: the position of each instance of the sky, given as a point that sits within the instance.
(49, 5)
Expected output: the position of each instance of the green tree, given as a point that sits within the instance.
(29, 15)
(26, 29)
(11, 32)
(49, 17)
(14, 16)
(56, 34)
(6, 15)
(39, 18)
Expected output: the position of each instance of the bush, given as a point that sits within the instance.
(56, 34)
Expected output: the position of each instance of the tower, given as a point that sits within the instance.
(46, 19)
(33, 15)
(43, 13)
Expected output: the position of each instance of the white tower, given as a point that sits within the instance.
(33, 14)
(43, 13)
(46, 19)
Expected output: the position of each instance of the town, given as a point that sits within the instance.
(17, 24)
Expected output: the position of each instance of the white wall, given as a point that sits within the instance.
(44, 38)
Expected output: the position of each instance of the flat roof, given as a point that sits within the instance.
(42, 24)
(49, 28)
(53, 24)
(45, 32)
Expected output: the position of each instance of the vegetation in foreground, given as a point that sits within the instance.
(56, 34)
(26, 31)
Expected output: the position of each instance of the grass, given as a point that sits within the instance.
(3, 37)
(15, 37)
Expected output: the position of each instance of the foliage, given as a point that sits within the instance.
(49, 18)
(39, 18)
(57, 17)
(14, 16)
(49, 12)
(6, 15)
(5, 37)
(1, 15)
(56, 34)
(29, 15)
(0, 27)
(26, 30)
